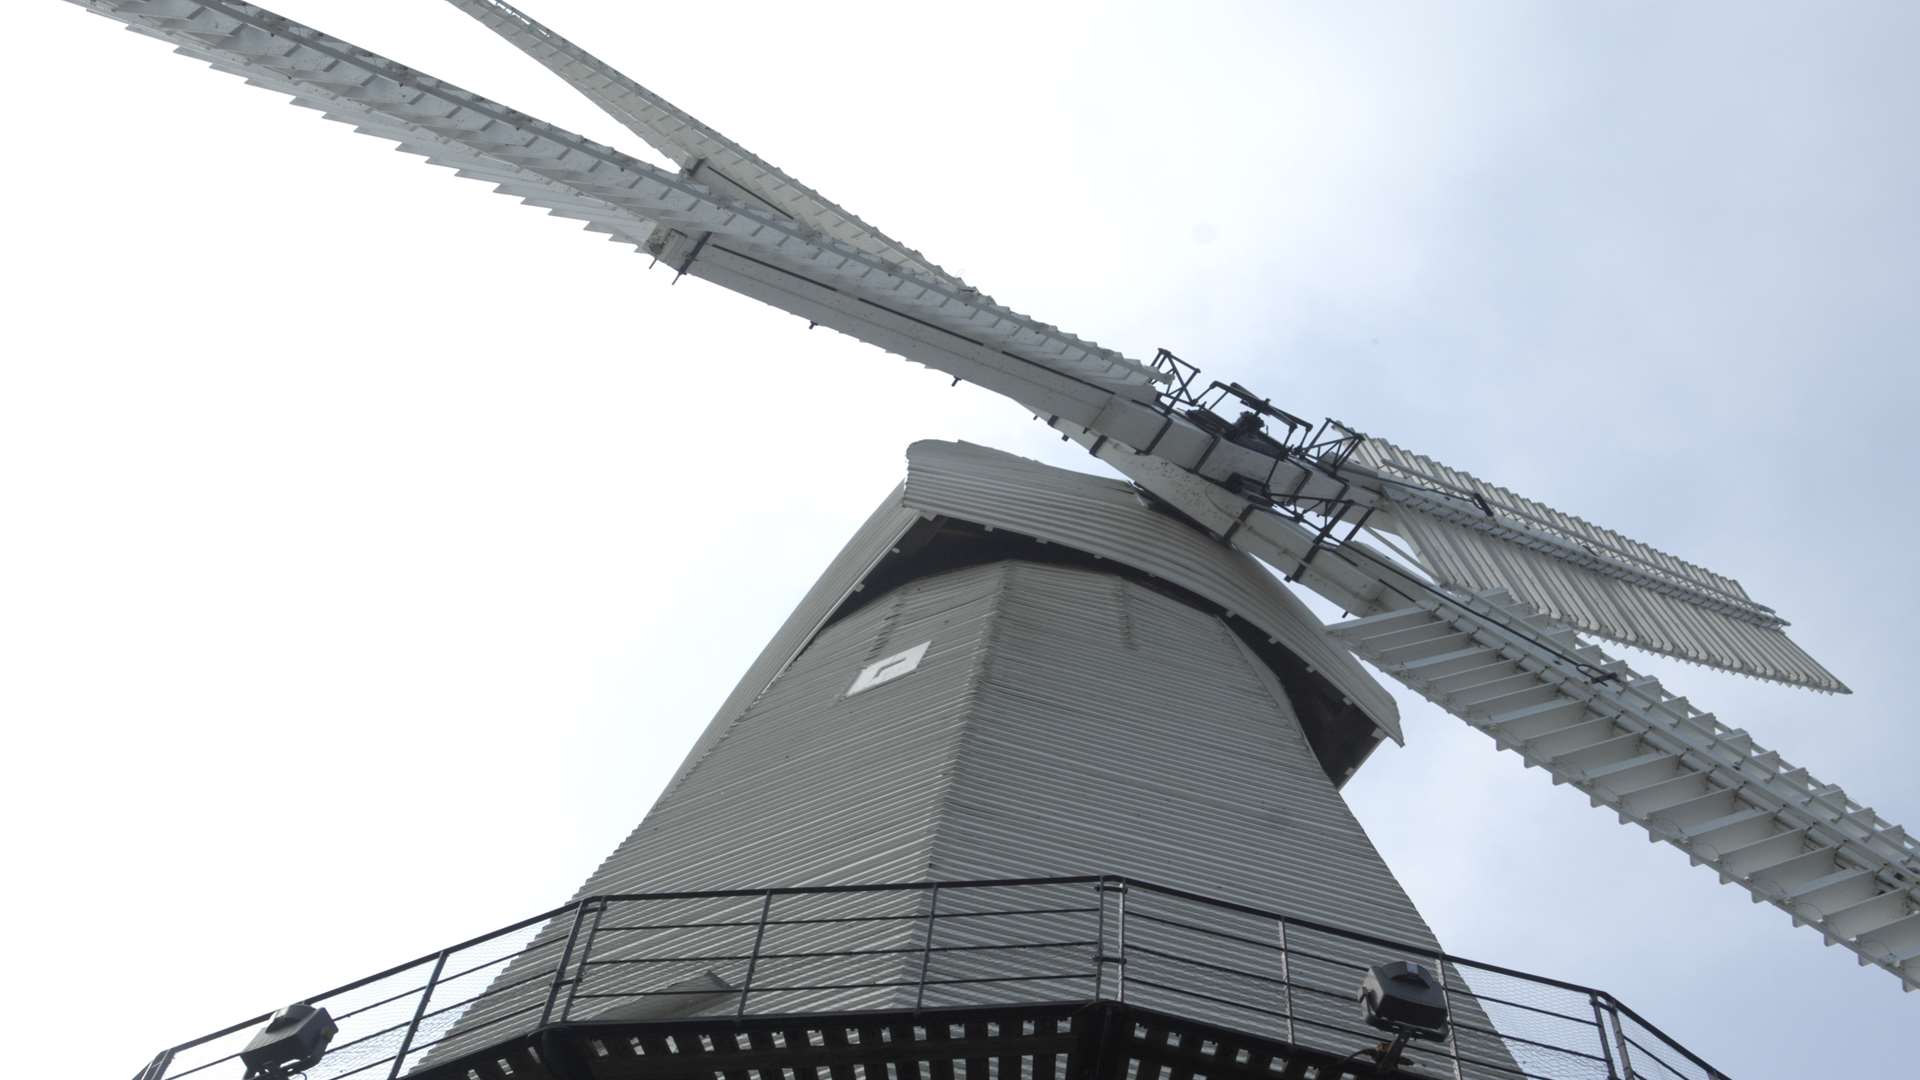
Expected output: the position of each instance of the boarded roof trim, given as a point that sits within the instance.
(1106, 518)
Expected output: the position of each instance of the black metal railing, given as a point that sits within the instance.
(839, 949)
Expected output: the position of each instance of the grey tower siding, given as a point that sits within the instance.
(1064, 721)
(1101, 517)
(1070, 716)
(1117, 730)
(1106, 519)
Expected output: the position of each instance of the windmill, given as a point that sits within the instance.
(1301, 498)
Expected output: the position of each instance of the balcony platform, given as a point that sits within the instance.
(1088, 1040)
(1066, 978)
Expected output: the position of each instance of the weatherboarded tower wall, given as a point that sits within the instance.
(1015, 671)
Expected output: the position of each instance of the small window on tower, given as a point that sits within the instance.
(889, 669)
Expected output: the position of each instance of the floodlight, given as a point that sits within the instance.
(1404, 998)
(293, 1041)
(1406, 1001)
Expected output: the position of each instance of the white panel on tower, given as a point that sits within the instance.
(889, 669)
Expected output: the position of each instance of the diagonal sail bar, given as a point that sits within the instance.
(1566, 530)
(700, 151)
(1477, 536)
(1687, 778)
(954, 330)
(739, 245)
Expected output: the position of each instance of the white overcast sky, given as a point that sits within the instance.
(372, 548)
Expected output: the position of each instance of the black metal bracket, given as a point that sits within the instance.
(1245, 513)
(698, 246)
(1180, 379)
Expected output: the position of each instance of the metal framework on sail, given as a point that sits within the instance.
(1478, 536)
(1490, 638)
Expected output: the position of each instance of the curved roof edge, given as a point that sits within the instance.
(1107, 518)
(1097, 516)
(871, 543)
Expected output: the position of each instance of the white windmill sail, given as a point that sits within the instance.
(765, 254)
(1478, 536)
(701, 152)
(1659, 762)
(740, 245)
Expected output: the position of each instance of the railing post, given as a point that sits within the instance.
(1619, 1040)
(1286, 978)
(926, 948)
(157, 1068)
(753, 958)
(1120, 945)
(566, 958)
(1446, 1002)
(1099, 936)
(419, 1011)
(586, 951)
(1600, 1029)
